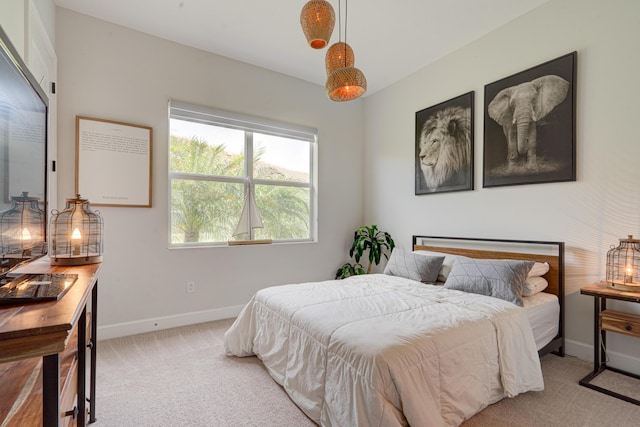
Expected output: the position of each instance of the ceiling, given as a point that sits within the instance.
(391, 39)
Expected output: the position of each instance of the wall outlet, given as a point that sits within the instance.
(191, 287)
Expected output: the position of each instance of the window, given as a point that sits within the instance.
(234, 177)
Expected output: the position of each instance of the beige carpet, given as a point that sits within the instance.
(181, 377)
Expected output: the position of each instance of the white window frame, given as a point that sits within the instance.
(214, 117)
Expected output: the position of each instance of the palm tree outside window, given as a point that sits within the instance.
(223, 167)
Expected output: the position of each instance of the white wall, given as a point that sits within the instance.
(17, 15)
(590, 214)
(47, 12)
(110, 72)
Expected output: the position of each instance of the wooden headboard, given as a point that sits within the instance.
(532, 250)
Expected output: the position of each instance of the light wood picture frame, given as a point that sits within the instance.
(113, 162)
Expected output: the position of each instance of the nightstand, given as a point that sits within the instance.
(614, 321)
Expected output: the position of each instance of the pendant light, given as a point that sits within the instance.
(317, 19)
(346, 84)
(339, 55)
(344, 81)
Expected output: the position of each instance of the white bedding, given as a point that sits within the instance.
(543, 312)
(379, 350)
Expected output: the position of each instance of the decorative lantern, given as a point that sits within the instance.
(22, 228)
(75, 234)
(623, 265)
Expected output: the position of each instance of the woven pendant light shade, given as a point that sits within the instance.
(317, 20)
(346, 84)
(339, 55)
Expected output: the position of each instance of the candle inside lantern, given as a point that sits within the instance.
(76, 237)
(628, 277)
(25, 235)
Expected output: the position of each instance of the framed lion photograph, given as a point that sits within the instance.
(444, 146)
(529, 125)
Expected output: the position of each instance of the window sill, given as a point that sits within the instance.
(249, 242)
(213, 245)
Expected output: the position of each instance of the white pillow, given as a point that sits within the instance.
(446, 264)
(533, 285)
(539, 269)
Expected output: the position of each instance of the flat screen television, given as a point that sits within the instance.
(23, 161)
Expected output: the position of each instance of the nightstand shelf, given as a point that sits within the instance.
(612, 321)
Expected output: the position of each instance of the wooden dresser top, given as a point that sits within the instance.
(43, 328)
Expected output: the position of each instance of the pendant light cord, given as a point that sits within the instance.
(346, 16)
(339, 21)
(346, 19)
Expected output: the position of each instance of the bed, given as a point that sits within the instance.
(388, 350)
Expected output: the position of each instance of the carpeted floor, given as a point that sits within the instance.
(181, 377)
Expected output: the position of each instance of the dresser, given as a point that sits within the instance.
(43, 353)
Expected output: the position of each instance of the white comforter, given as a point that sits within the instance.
(378, 350)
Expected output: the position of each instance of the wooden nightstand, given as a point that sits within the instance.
(614, 321)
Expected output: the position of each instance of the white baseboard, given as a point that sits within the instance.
(617, 360)
(149, 325)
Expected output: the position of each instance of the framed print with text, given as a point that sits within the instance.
(113, 162)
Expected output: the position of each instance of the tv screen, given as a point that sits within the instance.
(23, 161)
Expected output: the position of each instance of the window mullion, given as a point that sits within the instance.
(281, 183)
(248, 165)
(212, 178)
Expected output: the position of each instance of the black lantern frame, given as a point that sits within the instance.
(623, 265)
(76, 234)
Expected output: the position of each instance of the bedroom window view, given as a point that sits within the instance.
(235, 178)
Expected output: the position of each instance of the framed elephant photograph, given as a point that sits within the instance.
(529, 125)
(444, 146)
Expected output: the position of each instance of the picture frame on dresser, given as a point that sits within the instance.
(529, 125)
(444, 146)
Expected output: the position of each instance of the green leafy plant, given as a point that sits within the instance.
(378, 244)
(349, 269)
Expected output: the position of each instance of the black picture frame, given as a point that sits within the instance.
(444, 146)
(552, 158)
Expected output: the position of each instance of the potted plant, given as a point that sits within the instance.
(378, 243)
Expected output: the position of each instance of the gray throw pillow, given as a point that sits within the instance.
(412, 266)
(502, 279)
